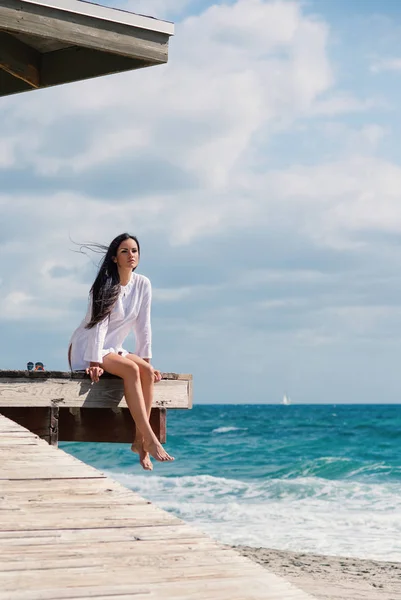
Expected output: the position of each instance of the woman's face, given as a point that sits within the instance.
(127, 255)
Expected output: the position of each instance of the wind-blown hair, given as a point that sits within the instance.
(106, 287)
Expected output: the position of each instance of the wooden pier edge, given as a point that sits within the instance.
(63, 406)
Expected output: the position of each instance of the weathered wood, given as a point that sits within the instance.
(58, 406)
(42, 45)
(161, 425)
(21, 388)
(12, 85)
(64, 539)
(105, 425)
(50, 43)
(19, 60)
(56, 424)
(53, 430)
(74, 375)
(83, 30)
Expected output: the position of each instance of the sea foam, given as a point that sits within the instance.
(284, 514)
(228, 429)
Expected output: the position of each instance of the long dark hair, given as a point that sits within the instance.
(106, 287)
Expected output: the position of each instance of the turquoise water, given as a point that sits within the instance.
(323, 479)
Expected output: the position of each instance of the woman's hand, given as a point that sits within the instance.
(95, 371)
(158, 376)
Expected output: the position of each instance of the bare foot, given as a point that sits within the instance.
(144, 457)
(156, 450)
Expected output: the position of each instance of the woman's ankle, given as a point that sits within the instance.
(149, 440)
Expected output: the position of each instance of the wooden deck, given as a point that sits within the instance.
(68, 532)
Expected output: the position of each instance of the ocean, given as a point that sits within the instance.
(321, 479)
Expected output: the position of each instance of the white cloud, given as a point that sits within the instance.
(259, 276)
(343, 103)
(329, 202)
(386, 64)
(7, 156)
(182, 293)
(361, 140)
(237, 73)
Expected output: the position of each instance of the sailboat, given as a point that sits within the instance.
(286, 400)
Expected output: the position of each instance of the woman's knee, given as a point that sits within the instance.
(131, 370)
(147, 372)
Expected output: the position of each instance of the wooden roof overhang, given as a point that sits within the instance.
(52, 42)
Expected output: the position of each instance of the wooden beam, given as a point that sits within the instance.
(23, 389)
(11, 85)
(53, 425)
(84, 424)
(19, 60)
(81, 30)
(105, 425)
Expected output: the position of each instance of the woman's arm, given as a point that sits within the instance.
(95, 338)
(142, 326)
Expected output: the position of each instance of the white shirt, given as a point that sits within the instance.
(131, 312)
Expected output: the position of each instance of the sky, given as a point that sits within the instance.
(261, 171)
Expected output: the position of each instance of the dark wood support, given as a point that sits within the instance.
(53, 426)
(56, 424)
(105, 425)
(160, 428)
(19, 60)
(66, 407)
(70, 64)
(37, 419)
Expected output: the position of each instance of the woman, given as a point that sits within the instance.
(119, 301)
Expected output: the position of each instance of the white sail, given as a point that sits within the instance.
(286, 400)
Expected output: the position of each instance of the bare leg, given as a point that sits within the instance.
(129, 372)
(146, 373)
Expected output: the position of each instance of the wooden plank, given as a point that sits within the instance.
(19, 60)
(135, 554)
(78, 391)
(75, 375)
(12, 85)
(10, 554)
(100, 535)
(10, 521)
(40, 44)
(82, 30)
(212, 588)
(107, 13)
(240, 574)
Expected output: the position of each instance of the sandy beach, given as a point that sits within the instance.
(330, 577)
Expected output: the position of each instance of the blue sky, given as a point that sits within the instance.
(261, 171)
